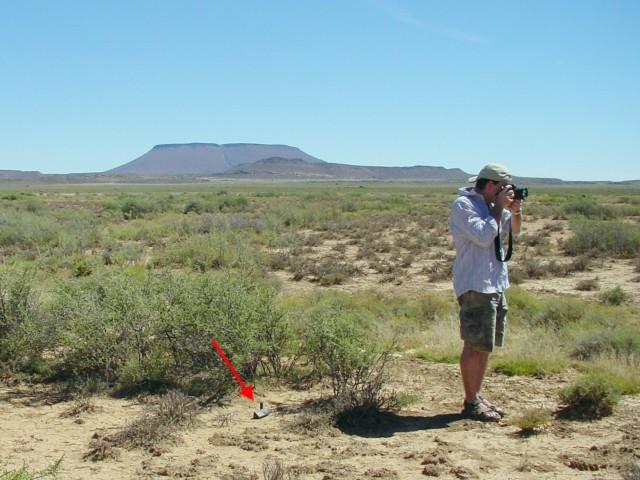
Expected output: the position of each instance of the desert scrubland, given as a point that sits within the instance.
(335, 302)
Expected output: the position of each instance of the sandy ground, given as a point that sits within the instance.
(428, 438)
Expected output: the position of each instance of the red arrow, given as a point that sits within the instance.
(246, 390)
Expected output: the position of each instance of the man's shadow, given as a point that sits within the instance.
(386, 424)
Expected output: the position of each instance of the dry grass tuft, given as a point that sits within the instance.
(532, 421)
(80, 406)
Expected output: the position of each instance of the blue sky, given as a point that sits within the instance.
(549, 88)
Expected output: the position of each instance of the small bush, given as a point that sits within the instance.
(588, 285)
(193, 206)
(312, 422)
(579, 264)
(135, 207)
(614, 296)
(174, 410)
(16, 300)
(82, 267)
(590, 397)
(234, 204)
(532, 268)
(532, 421)
(24, 473)
(84, 404)
(341, 346)
(326, 271)
(276, 469)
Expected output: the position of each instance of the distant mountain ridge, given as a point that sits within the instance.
(19, 175)
(283, 168)
(202, 162)
(204, 158)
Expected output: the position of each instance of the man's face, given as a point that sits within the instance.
(497, 187)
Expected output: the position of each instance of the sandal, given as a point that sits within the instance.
(479, 410)
(495, 408)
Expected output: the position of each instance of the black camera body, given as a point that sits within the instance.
(520, 193)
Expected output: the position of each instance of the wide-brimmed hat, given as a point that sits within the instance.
(493, 171)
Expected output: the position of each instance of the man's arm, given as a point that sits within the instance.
(465, 219)
(516, 216)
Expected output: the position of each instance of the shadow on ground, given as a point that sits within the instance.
(386, 424)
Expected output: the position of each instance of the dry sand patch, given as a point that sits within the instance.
(427, 438)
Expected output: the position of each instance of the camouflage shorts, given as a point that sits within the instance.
(483, 320)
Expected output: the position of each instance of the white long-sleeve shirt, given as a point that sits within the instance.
(474, 230)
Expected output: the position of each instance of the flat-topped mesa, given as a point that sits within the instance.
(205, 158)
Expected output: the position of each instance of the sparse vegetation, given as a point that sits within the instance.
(119, 291)
(604, 238)
(614, 296)
(590, 397)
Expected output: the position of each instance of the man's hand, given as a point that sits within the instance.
(515, 207)
(504, 199)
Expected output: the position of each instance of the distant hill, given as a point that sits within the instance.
(204, 158)
(297, 168)
(19, 175)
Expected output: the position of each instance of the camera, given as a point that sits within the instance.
(520, 193)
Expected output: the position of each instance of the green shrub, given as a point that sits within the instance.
(136, 207)
(559, 313)
(153, 331)
(589, 208)
(621, 343)
(82, 266)
(340, 344)
(234, 204)
(193, 206)
(614, 296)
(604, 238)
(27, 231)
(16, 300)
(590, 397)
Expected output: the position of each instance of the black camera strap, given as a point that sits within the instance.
(497, 242)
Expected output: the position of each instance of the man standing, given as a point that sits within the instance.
(478, 216)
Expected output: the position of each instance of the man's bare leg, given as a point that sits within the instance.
(473, 366)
